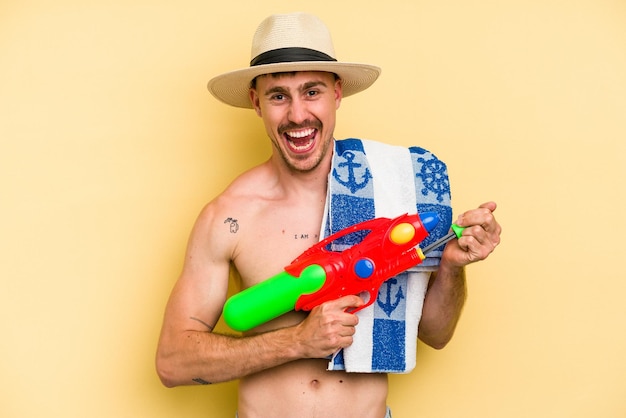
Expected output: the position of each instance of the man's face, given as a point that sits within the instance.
(298, 110)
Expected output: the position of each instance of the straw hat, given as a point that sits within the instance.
(291, 42)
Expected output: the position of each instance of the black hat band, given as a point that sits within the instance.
(289, 55)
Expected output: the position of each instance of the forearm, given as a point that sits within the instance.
(443, 305)
(447, 289)
(206, 357)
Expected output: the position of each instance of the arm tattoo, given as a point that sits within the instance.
(201, 381)
(234, 226)
(202, 322)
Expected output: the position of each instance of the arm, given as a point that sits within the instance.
(447, 288)
(189, 351)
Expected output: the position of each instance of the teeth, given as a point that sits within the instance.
(301, 147)
(301, 134)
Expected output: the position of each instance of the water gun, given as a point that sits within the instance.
(319, 274)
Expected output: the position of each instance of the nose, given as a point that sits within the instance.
(298, 111)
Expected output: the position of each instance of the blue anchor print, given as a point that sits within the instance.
(387, 306)
(352, 183)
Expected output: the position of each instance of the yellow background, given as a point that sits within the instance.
(110, 145)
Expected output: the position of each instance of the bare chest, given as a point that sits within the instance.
(272, 238)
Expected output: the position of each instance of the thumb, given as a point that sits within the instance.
(492, 206)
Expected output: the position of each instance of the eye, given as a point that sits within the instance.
(312, 93)
(277, 97)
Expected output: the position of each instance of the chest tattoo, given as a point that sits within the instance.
(305, 236)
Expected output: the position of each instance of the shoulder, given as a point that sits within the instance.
(218, 223)
(361, 144)
(258, 183)
(423, 153)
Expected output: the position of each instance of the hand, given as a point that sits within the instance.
(480, 237)
(328, 327)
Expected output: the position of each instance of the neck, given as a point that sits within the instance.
(303, 183)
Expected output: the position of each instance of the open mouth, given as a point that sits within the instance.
(301, 140)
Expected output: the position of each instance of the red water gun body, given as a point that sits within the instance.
(389, 248)
(321, 274)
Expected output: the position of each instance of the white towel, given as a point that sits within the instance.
(369, 180)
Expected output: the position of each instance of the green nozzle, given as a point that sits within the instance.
(458, 230)
(271, 298)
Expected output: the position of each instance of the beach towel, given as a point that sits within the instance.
(368, 180)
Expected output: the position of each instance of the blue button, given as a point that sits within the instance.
(364, 268)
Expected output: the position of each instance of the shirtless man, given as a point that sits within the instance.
(281, 363)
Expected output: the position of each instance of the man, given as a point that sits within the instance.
(296, 86)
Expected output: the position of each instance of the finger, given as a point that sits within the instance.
(350, 301)
(490, 224)
(482, 216)
(485, 235)
(492, 206)
(477, 244)
(347, 331)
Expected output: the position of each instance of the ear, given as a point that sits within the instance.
(254, 99)
(338, 92)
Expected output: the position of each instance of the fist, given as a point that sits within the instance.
(329, 327)
(480, 237)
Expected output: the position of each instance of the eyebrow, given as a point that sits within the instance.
(304, 87)
(276, 89)
(312, 84)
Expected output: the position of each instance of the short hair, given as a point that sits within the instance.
(279, 74)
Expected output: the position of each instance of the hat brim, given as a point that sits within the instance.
(232, 88)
